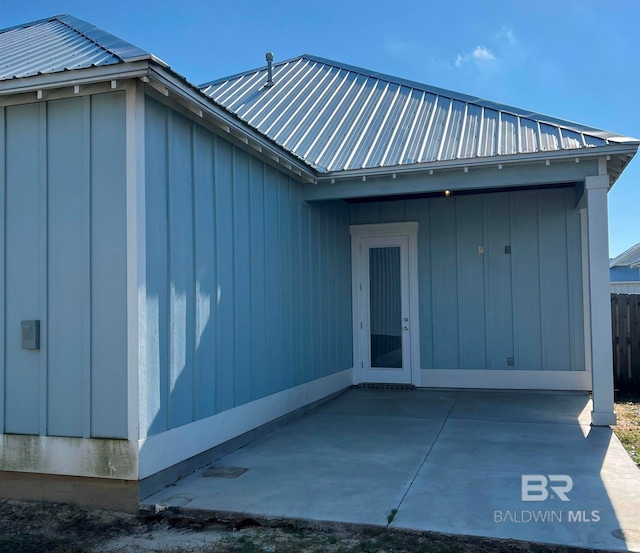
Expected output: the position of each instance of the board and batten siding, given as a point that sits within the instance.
(62, 261)
(247, 288)
(477, 310)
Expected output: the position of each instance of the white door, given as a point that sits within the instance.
(383, 309)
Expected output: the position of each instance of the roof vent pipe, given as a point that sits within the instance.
(269, 58)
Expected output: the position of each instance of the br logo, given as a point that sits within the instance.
(535, 487)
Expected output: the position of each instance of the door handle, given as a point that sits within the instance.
(405, 328)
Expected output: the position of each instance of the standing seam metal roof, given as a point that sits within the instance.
(60, 43)
(339, 117)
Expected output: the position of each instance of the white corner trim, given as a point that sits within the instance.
(98, 458)
(506, 379)
(163, 450)
(136, 253)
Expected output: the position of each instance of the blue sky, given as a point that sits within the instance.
(574, 59)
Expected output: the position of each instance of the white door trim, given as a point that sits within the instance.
(410, 230)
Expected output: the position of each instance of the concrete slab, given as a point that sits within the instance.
(448, 461)
(320, 467)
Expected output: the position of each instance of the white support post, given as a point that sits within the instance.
(600, 303)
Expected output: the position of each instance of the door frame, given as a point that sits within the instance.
(382, 230)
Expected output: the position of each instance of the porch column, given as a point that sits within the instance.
(596, 189)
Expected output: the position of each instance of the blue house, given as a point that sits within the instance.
(182, 265)
(625, 272)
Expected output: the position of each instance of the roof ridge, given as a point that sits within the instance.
(75, 24)
(61, 19)
(446, 93)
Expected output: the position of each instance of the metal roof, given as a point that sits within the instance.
(60, 43)
(628, 258)
(338, 117)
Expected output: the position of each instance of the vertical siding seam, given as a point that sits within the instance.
(169, 291)
(488, 304)
(484, 280)
(434, 308)
(233, 360)
(213, 315)
(86, 267)
(514, 300)
(569, 252)
(460, 293)
(543, 337)
(514, 303)
(3, 278)
(44, 271)
(292, 310)
(265, 291)
(251, 386)
(267, 356)
(194, 279)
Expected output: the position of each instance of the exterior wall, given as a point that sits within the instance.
(62, 261)
(479, 309)
(248, 287)
(624, 274)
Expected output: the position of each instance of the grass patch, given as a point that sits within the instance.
(628, 426)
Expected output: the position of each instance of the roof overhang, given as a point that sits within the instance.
(159, 76)
(615, 155)
(468, 178)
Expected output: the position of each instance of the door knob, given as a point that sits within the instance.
(405, 328)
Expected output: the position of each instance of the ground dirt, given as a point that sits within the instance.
(42, 527)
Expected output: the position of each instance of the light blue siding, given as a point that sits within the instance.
(248, 288)
(23, 263)
(498, 299)
(181, 296)
(471, 298)
(444, 289)
(64, 228)
(525, 271)
(479, 308)
(205, 270)
(66, 267)
(157, 301)
(108, 267)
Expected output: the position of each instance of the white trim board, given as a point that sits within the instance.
(506, 379)
(164, 450)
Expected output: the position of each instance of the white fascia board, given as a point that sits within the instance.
(74, 77)
(560, 155)
(200, 101)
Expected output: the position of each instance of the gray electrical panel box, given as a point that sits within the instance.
(30, 334)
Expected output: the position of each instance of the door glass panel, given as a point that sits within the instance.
(385, 307)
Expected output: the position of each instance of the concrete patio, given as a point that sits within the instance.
(448, 461)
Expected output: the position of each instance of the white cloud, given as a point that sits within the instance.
(482, 54)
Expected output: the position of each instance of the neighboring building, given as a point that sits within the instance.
(625, 272)
(202, 262)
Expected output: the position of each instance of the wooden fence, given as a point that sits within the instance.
(625, 320)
